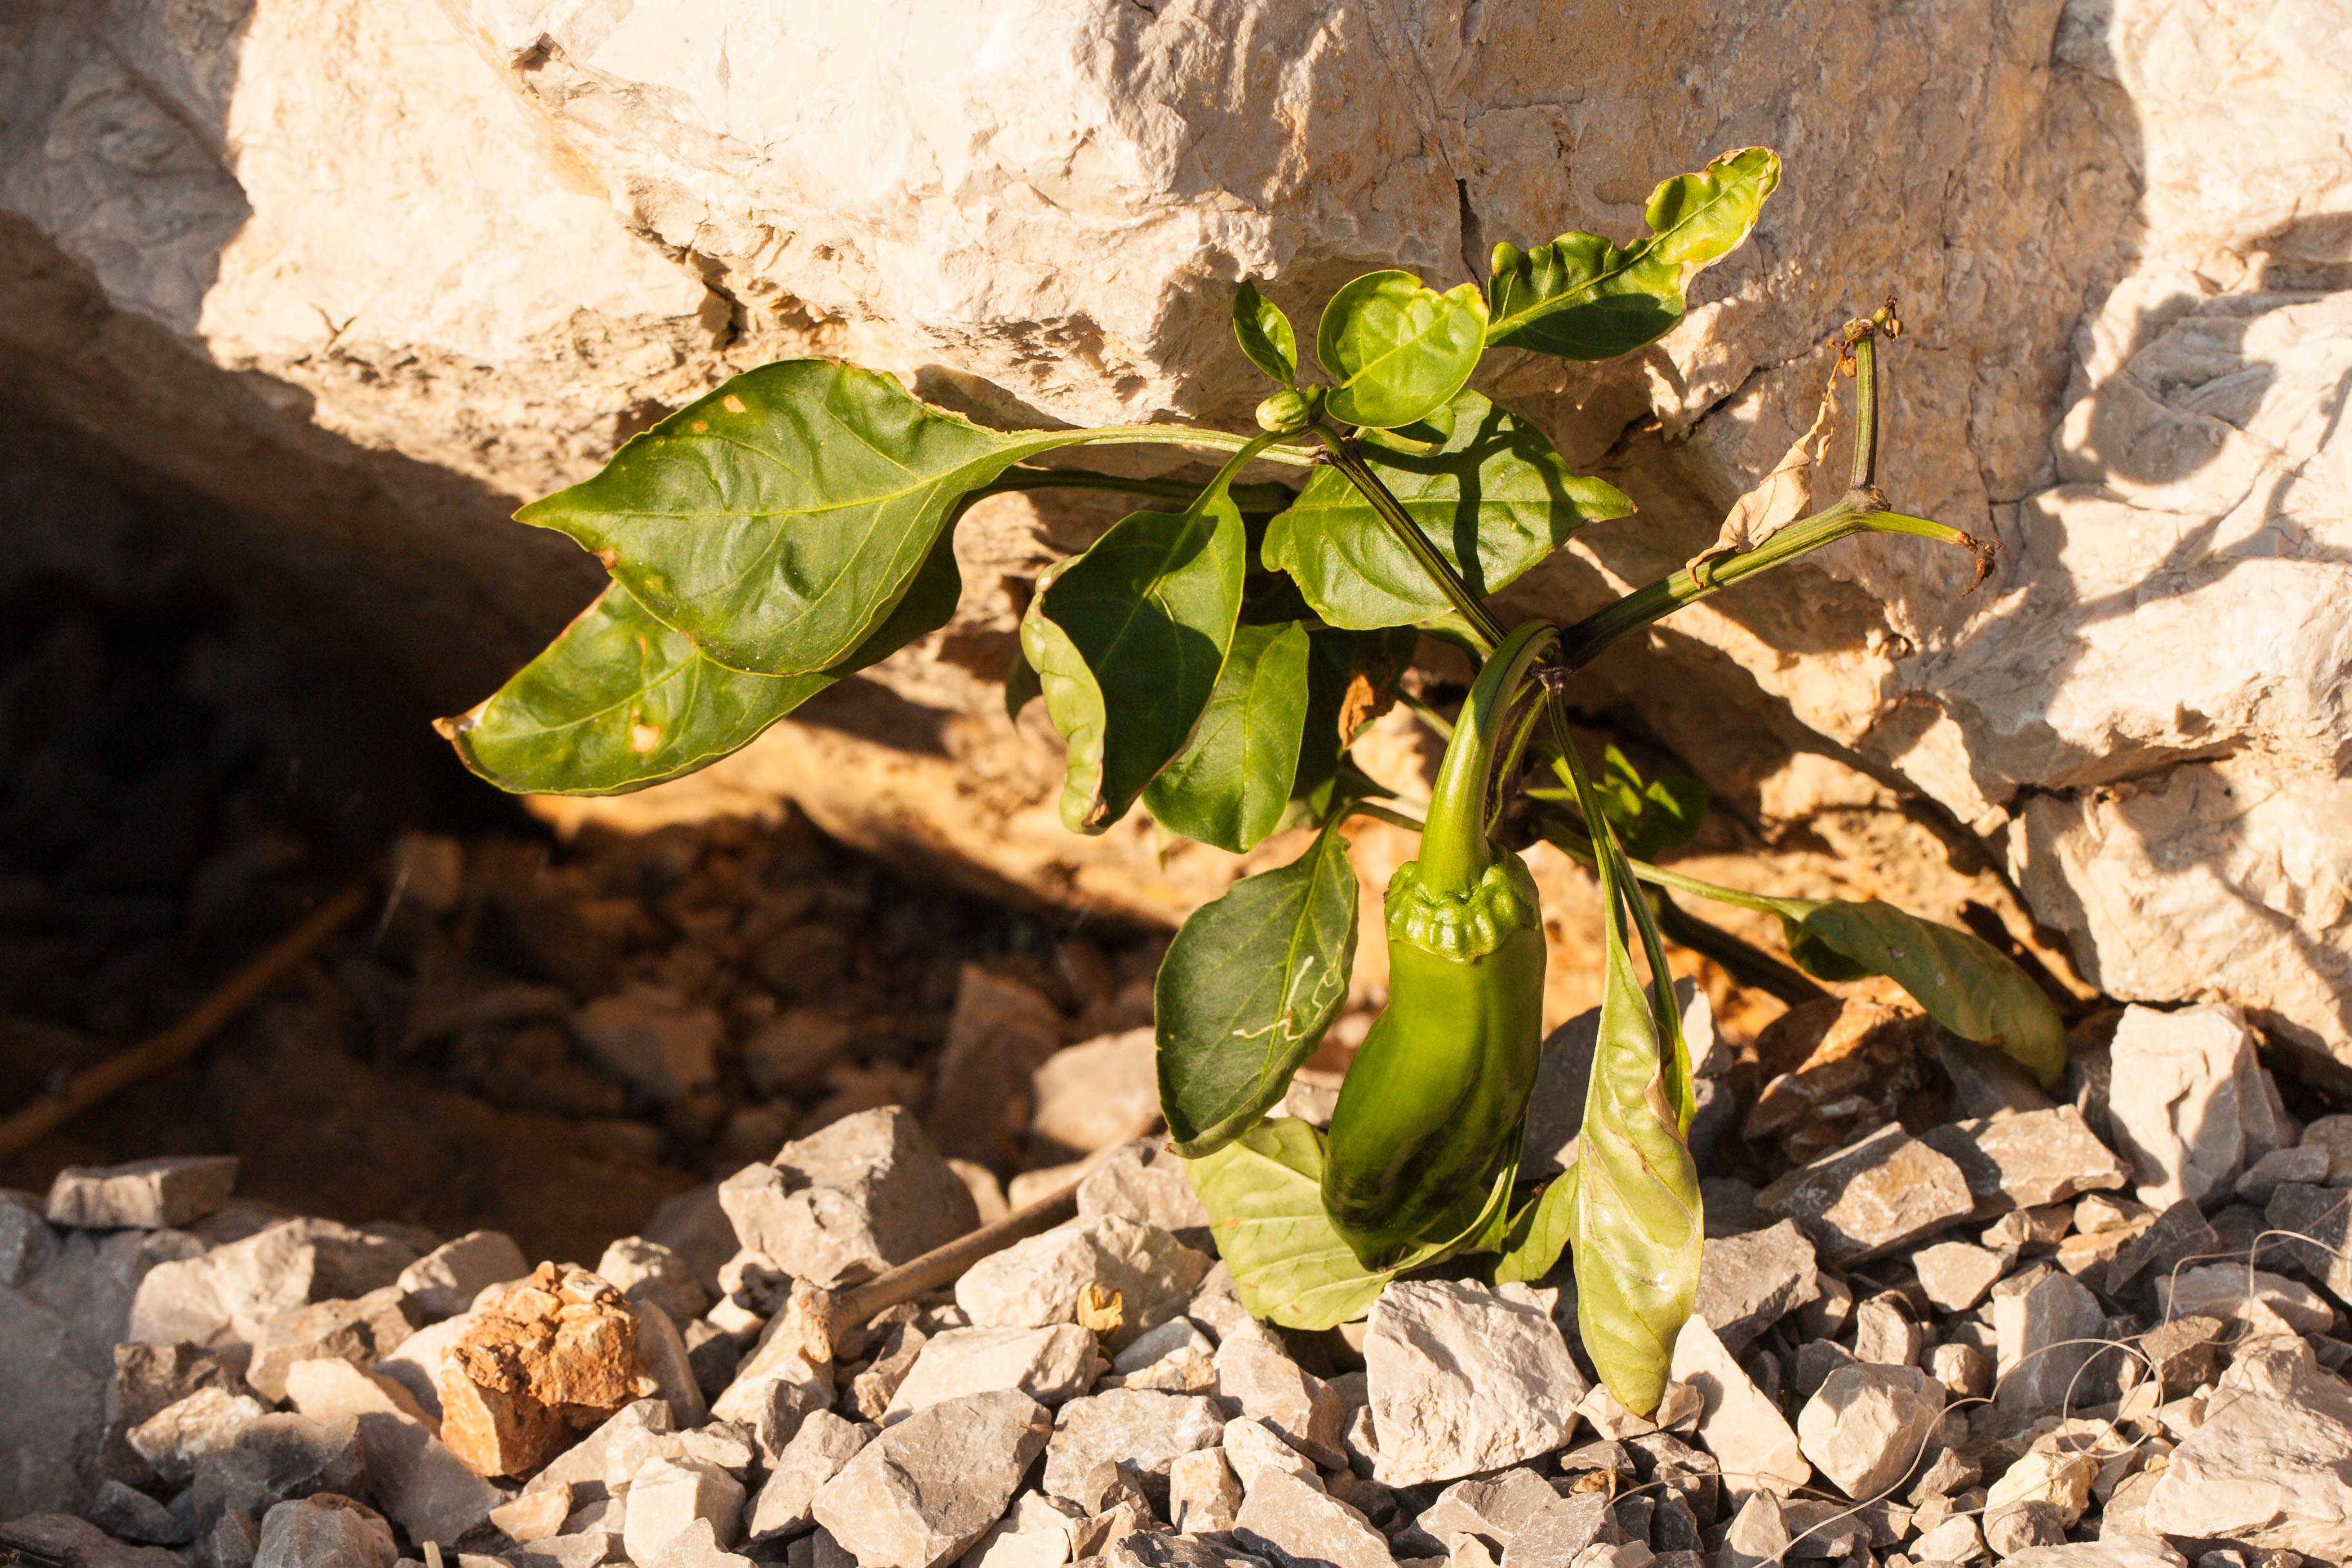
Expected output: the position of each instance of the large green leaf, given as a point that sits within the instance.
(1399, 349)
(1230, 785)
(1494, 500)
(1246, 991)
(1582, 298)
(619, 701)
(1128, 640)
(1265, 334)
(1964, 983)
(1264, 1193)
(780, 520)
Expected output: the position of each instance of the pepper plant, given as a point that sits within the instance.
(1210, 661)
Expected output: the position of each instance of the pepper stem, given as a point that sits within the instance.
(1455, 851)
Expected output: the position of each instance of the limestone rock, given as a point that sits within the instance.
(1091, 1096)
(2271, 1465)
(1252, 1446)
(2061, 1479)
(1132, 1427)
(1259, 1375)
(322, 1529)
(1204, 1493)
(846, 1202)
(822, 1444)
(1294, 1524)
(668, 1495)
(1746, 1283)
(1049, 1364)
(1887, 1191)
(1869, 1425)
(2227, 1290)
(1039, 1281)
(2126, 1552)
(650, 1035)
(1965, 1371)
(646, 1271)
(662, 1358)
(149, 1379)
(1463, 1378)
(2039, 1331)
(930, 1487)
(534, 1516)
(1000, 1031)
(231, 1292)
(554, 1355)
(1956, 1274)
(128, 1514)
(150, 1193)
(2029, 1159)
(81, 1544)
(697, 1546)
(445, 1281)
(1145, 1183)
(207, 1421)
(1745, 1431)
(2190, 1105)
(2323, 1215)
(420, 1483)
(362, 1332)
(274, 1458)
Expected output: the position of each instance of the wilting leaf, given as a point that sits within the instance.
(1265, 334)
(1264, 1193)
(1965, 984)
(1231, 785)
(1248, 987)
(1495, 499)
(619, 701)
(1638, 1231)
(780, 520)
(1582, 298)
(1127, 641)
(1399, 349)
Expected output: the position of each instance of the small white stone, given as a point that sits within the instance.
(1204, 1493)
(418, 1482)
(207, 1422)
(1296, 1525)
(1049, 1364)
(667, 1495)
(1463, 1378)
(929, 1488)
(1039, 1281)
(1258, 1375)
(445, 1281)
(1956, 1540)
(1956, 1274)
(844, 1203)
(647, 1272)
(2188, 1103)
(534, 1516)
(321, 1529)
(1089, 1096)
(1869, 1425)
(2226, 1290)
(152, 1195)
(1745, 1431)
(2047, 1333)
(1885, 1334)
(1249, 1446)
(655, 1039)
(2042, 1474)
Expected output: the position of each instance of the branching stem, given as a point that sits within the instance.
(1346, 458)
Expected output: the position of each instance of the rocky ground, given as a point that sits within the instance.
(2095, 1330)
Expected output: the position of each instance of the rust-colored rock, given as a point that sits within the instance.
(552, 1357)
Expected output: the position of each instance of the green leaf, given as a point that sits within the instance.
(1637, 1227)
(1265, 334)
(1232, 784)
(1965, 984)
(1399, 349)
(1582, 298)
(1248, 987)
(1495, 499)
(619, 701)
(778, 521)
(1538, 1234)
(1128, 640)
(1264, 1193)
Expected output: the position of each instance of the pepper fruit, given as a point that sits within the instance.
(1433, 1104)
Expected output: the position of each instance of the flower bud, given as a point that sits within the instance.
(1287, 411)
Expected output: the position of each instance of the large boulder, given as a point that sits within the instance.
(364, 276)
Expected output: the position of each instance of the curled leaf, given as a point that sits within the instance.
(1265, 334)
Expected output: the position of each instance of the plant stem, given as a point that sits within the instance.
(1186, 435)
(1388, 814)
(1852, 514)
(1390, 511)
(1742, 960)
(1426, 714)
(1249, 498)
